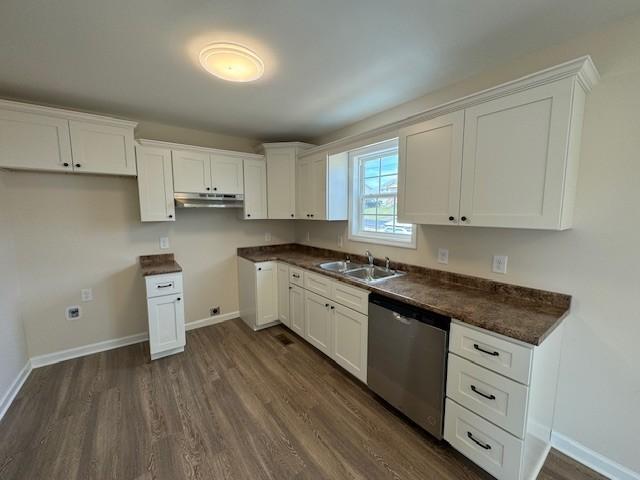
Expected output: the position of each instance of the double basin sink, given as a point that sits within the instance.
(358, 271)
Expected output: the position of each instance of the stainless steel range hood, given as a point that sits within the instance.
(208, 200)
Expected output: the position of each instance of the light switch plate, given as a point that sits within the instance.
(86, 294)
(164, 243)
(500, 263)
(443, 255)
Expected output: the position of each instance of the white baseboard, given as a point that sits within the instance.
(55, 357)
(14, 388)
(205, 322)
(591, 459)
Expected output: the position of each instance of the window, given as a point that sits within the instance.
(374, 197)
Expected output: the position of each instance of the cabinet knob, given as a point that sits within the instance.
(259, 269)
(65, 164)
(311, 215)
(179, 298)
(78, 165)
(170, 216)
(451, 219)
(215, 189)
(248, 214)
(326, 305)
(208, 188)
(290, 287)
(292, 215)
(333, 307)
(464, 219)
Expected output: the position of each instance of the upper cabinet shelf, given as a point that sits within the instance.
(50, 139)
(510, 159)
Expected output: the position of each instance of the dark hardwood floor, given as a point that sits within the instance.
(236, 404)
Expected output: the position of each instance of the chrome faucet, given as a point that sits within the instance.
(369, 256)
(387, 262)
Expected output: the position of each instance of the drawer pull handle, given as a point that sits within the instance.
(166, 285)
(489, 397)
(295, 275)
(493, 354)
(481, 444)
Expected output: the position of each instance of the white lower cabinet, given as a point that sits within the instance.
(258, 293)
(296, 309)
(318, 316)
(502, 421)
(166, 315)
(349, 345)
(283, 294)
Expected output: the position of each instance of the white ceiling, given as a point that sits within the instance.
(328, 63)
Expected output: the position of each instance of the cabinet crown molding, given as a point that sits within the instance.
(65, 114)
(582, 68)
(275, 145)
(180, 146)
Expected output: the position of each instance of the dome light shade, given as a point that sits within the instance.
(232, 62)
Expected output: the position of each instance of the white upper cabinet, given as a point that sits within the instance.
(255, 189)
(322, 190)
(506, 157)
(430, 165)
(226, 174)
(516, 158)
(50, 139)
(35, 142)
(281, 177)
(155, 184)
(191, 171)
(103, 149)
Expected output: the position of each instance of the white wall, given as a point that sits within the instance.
(597, 262)
(13, 347)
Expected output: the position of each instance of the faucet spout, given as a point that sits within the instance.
(369, 256)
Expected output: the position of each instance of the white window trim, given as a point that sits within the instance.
(401, 241)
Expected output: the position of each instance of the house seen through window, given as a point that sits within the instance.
(374, 197)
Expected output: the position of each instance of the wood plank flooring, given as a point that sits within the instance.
(235, 405)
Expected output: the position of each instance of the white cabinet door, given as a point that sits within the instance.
(166, 324)
(350, 341)
(103, 149)
(281, 183)
(155, 184)
(317, 313)
(515, 151)
(304, 197)
(430, 167)
(318, 187)
(283, 294)
(226, 174)
(255, 189)
(296, 309)
(191, 171)
(34, 142)
(266, 293)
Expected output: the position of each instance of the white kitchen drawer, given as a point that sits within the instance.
(167, 284)
(318, 284)
(501, 356)
(296, 276)
(493, 449)
(351, 297)
(492, 396)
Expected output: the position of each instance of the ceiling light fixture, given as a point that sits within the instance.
(232, 62)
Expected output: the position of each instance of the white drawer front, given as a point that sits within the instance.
(317, 284)
(493, 449)
(506, 358)
(296, 276)
(492, 396)
(167, 284)
(351, 297)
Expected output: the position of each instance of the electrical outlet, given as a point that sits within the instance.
(86, 294)
(500, 263)
(267, 236)
(164, 243)
(73, 312)
(443, 256)
(214, 311)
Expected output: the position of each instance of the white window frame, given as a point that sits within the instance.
(355, 232)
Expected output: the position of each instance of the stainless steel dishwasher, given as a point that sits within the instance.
(407, 360)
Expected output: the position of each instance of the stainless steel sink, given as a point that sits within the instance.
(373, 274)
(341, 266)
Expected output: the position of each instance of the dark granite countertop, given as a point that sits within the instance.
(159, 264)
(521, 313)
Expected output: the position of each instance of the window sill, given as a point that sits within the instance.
(384, 241)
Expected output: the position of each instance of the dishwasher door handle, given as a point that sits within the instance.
(401, 319)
